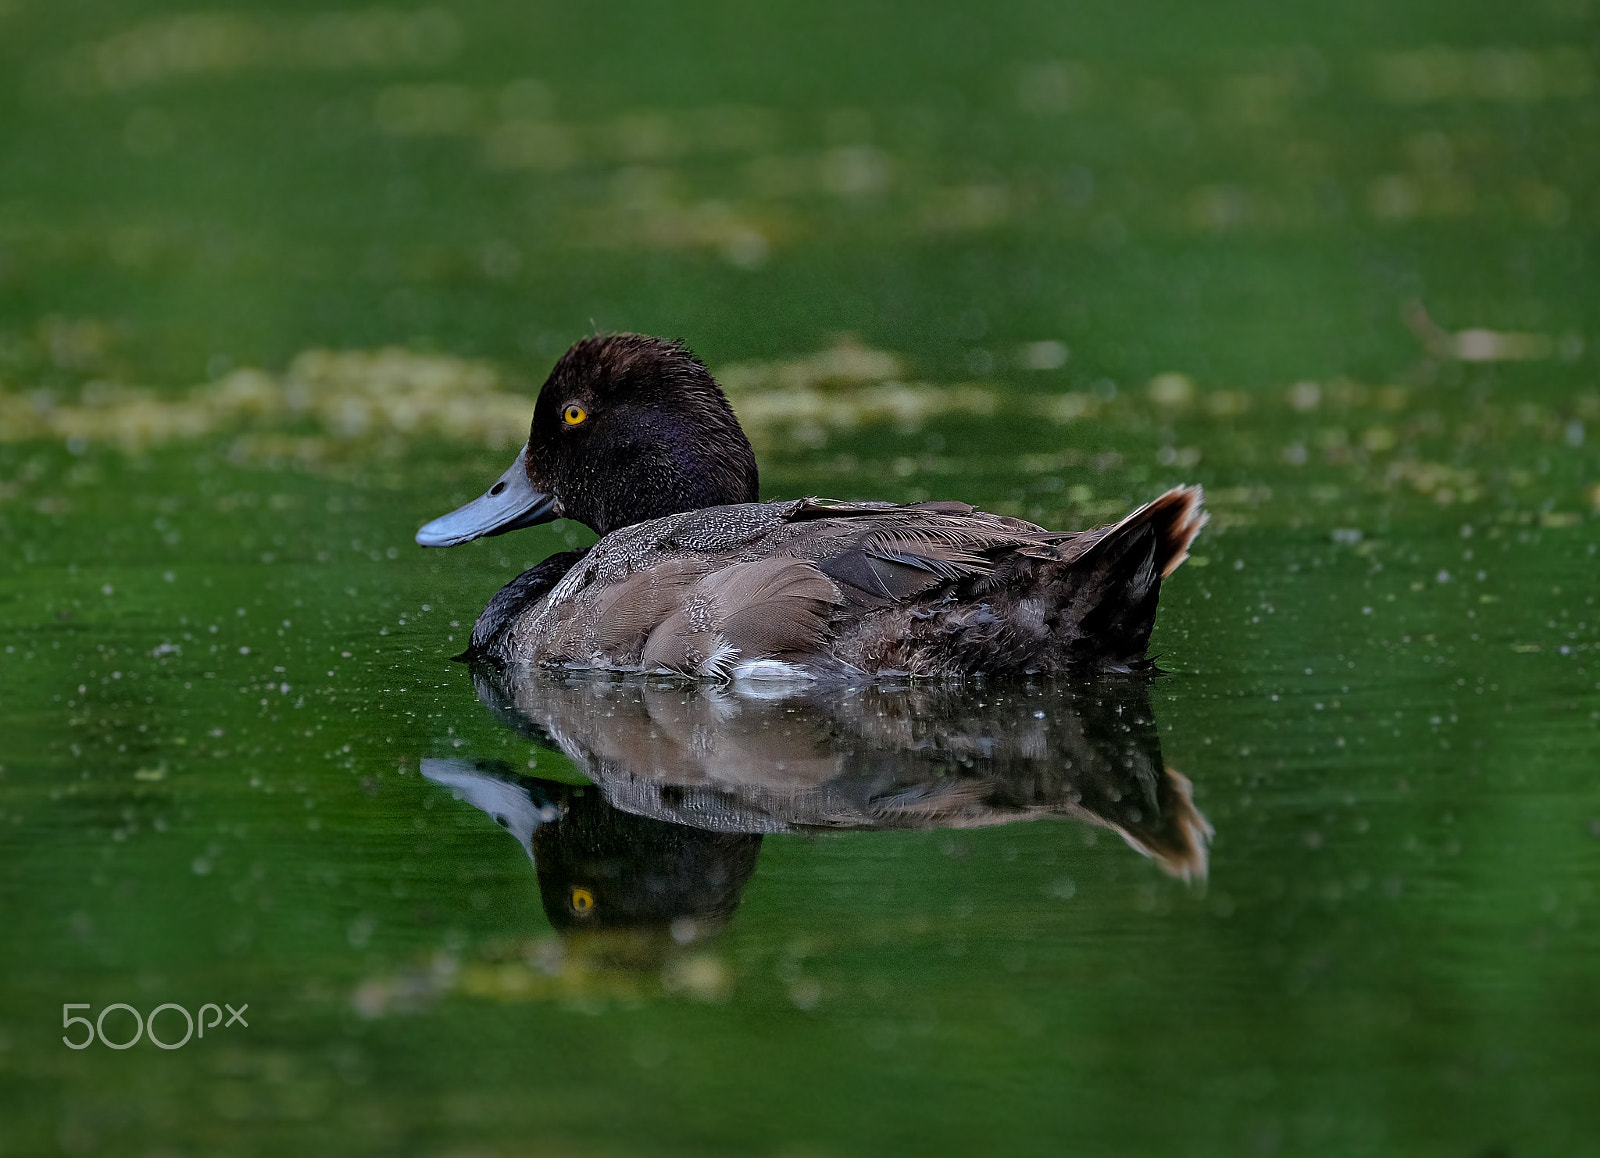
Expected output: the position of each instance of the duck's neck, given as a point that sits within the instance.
(668, 478)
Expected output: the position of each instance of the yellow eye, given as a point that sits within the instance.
(573, 415)
(582, 900)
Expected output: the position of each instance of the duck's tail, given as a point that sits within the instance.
(1117, 572)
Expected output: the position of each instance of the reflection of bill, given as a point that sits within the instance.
(600, 866)
(689, 777)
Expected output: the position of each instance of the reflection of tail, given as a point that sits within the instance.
(1117, 573)
(1182, 845)
(1177, 837)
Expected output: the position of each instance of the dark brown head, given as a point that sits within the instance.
(626, 428)
(629, 428)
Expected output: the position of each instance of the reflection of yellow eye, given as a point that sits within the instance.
(582, 900)
(573, 414)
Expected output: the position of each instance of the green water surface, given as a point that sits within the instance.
(1336, 264)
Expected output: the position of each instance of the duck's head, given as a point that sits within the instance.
(626, 428)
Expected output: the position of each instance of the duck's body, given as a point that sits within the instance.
(789, 590)
(805, 588)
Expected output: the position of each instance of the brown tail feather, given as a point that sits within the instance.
(1119, 569)
(1176, 516)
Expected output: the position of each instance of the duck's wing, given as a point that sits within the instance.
(952, 591)
(882, 554)
(763, 609)
(707, 593)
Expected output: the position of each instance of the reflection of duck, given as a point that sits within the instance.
(873, 758)
(600, 867)
(632, 437)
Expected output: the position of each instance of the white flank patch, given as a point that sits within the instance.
(767, 671)
(719, 665)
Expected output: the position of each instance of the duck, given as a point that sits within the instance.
(694, 576)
